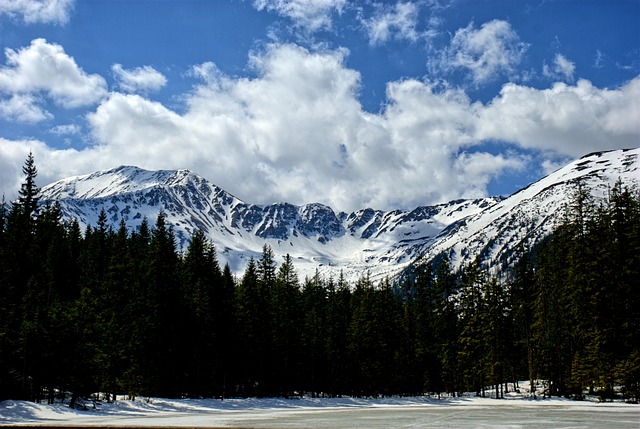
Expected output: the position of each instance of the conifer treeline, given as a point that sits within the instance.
(122, 312)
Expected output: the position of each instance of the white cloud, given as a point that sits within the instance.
(69, 129)
(38, 11)
(310, 15)
(486, 53)
(564, 66)
(207, 71)
(599, 59)
(562, 69)
(551, 165)
(45, 68)
(397, 21)
(52, 164)
(570, 120)
(431, 129)
(140, 79)
(23, 108)
(123, 118)
(296, 132)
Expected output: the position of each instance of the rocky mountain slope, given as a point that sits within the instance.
(529, 214)
(316, 237)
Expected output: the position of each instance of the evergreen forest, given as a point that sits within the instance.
(124, 312)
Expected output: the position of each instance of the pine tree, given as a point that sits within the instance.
(115, 317)
(552, 308)
(207, 302)
(266, 268)
(624, 304)
(339, 372)
(448, 327)
(389, 327)
(165, 313)
(521, 291)
(286, 322)
(373, 337)
(496, 333)
(313, 335)
(24, 286)
(138, 314)
(229, 330)
(50, 250)
(7, 309)
(472, 338)
(28, 194)
(254, 333)
(428, 315)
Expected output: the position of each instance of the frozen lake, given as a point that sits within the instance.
(449, 416)
(331, 413)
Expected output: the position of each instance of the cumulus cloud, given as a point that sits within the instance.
(51, 164)
(132, 125)
(569, 119)
(310, 15)
(433, 131)
(397, 21)
(140, 79)
(562, 69)
(207, 71)
(297, 132)
(38, 11)
(23, 108)
(485, 53)
(44, 68)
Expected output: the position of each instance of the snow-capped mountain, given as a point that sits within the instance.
(531, 213)
(316, 237)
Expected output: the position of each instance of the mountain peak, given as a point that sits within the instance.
(116, 181)
(382, 243)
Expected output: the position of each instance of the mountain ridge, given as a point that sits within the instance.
(382, 243)
(536, 209)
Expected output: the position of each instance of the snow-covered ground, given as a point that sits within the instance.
(424, 412)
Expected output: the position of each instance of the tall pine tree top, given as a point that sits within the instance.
(28, 194)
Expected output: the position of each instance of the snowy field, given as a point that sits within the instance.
(422, 412)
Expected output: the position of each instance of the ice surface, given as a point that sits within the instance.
(424, 412)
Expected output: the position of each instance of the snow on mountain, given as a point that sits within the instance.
(531, 213)
(382, 243)
(313, 234)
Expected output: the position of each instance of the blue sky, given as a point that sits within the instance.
(388, 104)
